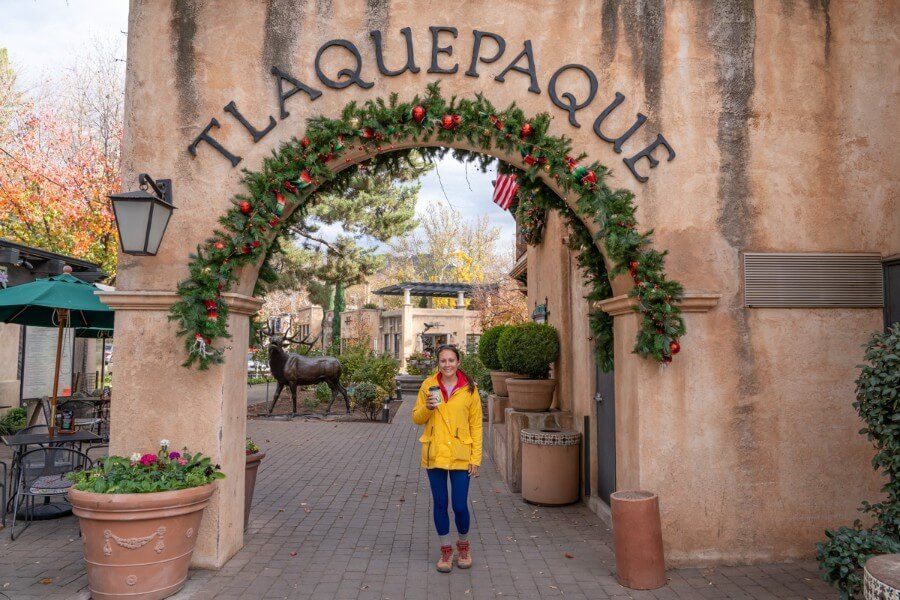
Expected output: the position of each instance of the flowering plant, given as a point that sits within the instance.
(144, 473)
(252, 448)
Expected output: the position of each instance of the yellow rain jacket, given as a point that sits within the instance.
(452, 436)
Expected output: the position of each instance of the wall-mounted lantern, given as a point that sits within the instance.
(541, 312)
(142, 216)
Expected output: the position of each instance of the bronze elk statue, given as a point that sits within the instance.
(291, 369)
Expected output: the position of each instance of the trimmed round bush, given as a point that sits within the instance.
(528, 349)
(487, 347)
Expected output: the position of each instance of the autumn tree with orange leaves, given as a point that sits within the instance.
(59, 159)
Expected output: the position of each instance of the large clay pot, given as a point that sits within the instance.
(637, 537)
(253, 461)
(498, 381)
(551, 466)
(531, 395)
(139, 546)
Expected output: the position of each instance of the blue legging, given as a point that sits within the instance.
(459, 482)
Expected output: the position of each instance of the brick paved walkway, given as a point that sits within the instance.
(350, 500)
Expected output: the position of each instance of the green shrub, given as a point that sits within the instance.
(380, 370)
(845, 550)
(528, 349)
(420, 364)
(352, 357)
(487, 347)
(368, 398)
(472, 366)
(12, 421)
(323, 394)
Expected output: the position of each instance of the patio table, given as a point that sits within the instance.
(21, 441)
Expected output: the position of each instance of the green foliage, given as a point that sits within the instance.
(528, 349)
(251, 447)
(323, 394)
(846, 549)
(12, 421)
(368, 398)
(371, 305)
(258, 379)
(472, 366)
(141, 474)
(360, 364)
(339, 306)
(531, 217)
(487, 347)
(420, 364)
(299, 167)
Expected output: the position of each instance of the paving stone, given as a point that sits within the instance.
(332, 494)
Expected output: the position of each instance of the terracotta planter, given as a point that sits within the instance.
(531, 395)
(551, 466)
(637, 536)
(253, 461)
(498, 381)
(139, 546)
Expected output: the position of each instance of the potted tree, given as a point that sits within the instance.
(487, 352)
(139, 518)
(529, 349)
(254, 457)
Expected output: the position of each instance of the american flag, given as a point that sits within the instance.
(505, 190)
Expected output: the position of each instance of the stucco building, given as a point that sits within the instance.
(758, 138)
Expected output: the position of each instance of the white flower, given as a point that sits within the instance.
(164, 443)
(136, 457)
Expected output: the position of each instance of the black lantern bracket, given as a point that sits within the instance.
(161, 187)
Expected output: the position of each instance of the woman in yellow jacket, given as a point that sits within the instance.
(450, 409)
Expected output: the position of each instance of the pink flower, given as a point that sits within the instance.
(182, 461)
(148, 459)
(174, 455)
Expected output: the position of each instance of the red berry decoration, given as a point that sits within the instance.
(245, 207)
(219, 246)
(368, 133)
(305, 142)
(290, 187)
(245, 249)
(210, 304)
(674, 346)
(667, 359)
(526, 130)
(418, 114)
(254, 244)
(273, 222)
(633, 267)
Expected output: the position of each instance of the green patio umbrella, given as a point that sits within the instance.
(59, 301)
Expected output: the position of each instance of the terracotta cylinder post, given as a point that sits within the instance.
(637, 534)
(550, 466)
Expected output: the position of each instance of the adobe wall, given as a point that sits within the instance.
(782, 117)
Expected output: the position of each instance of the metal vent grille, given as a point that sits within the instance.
(813, 280)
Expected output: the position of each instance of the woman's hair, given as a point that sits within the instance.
(454, 350)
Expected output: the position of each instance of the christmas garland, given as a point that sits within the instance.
(531, 217)
(278, 195)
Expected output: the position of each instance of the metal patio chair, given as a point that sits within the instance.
(42, 474)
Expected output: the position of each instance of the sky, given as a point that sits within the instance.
(42, 35)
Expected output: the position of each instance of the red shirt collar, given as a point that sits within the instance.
(461, 381)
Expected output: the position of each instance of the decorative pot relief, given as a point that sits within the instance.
(189, 533)
(131, 579)
(134, 543)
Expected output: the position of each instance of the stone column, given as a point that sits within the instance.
(156, 398)
(406, 299)
(460, 300)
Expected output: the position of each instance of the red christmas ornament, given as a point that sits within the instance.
(198, 336)
(245, 207)
(589, 179)
(418, 114)
(674, 346)
(245, 249)
(273, 222)
(530, 160)
(219, 246)
(571, 163)
(209, 304)
(526, 130)
(368, 133)
(254, 244)
(447, 122)
(289, 187)
(305, 142)
(667, 359)
(305, 177)
(457, 120)
(212, 315)
(633, 267)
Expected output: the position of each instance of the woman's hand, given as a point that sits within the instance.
(473, 470)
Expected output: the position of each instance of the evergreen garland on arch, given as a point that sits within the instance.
(277, 196)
